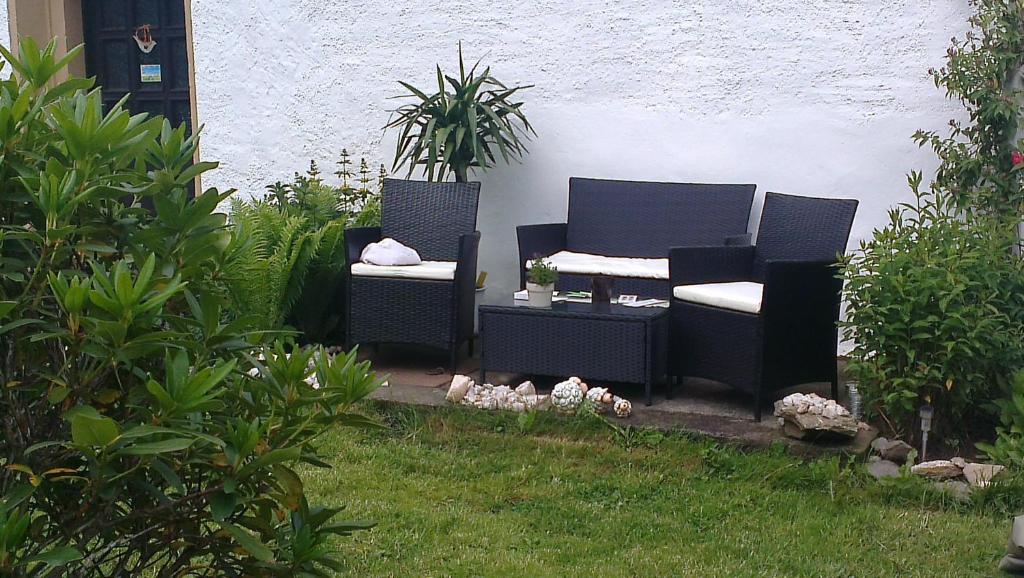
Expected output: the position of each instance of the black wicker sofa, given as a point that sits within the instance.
(609, 220)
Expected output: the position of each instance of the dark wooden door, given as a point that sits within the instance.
(115, 59)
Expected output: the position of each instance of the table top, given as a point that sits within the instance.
(581, 310)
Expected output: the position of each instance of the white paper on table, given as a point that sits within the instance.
(647, 303)
(524, 295)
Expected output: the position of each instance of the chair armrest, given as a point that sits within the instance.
(465, 268)
(695, 265)
(539, 241)
(357, 239)
(808, 291)
(800, 308)
(738, 240)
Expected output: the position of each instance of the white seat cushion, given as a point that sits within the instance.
(587, 264)
(742, 296)
(434, 270)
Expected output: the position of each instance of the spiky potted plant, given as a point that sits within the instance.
(540, 282)
(467, 124)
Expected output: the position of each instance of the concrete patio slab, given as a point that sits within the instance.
(702, 407)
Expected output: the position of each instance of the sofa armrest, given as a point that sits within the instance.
(738, 240)
(539, 241)
(356, 240)
(695, 265)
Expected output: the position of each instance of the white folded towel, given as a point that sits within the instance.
(389, 252)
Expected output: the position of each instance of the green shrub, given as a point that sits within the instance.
(936, 311)
(1008, 447)
(141, 433)
(288, 249)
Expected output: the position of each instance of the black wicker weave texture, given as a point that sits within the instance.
(644, 219)
(429, 217)
(793, 339)
(802, 228)
(438, 220)
(402, 311)
(576, 339)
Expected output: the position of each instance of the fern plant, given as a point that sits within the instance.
(287, 253)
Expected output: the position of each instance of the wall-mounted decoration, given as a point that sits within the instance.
(144, 38)
(150, 73)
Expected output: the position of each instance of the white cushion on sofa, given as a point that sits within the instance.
(587, 264)
(434, 270)
(741, 296)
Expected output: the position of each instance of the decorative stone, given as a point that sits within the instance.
(883, 469)
(623, 408)
(567, 395)
(526, 388)
(1016, 545)
(980, 475)
(811, 416)
(458, 389)
(958, 462)
(1012, 565)
(465, 391)
(937, 469)
(892, 450)
(596, 397)
(960, 491)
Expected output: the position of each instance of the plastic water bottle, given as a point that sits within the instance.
(855, 400)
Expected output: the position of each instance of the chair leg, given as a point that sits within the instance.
(471, 343)
(454, 358)
(757, 405)
(835, 381)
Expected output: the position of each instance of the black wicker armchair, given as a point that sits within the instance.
(640, 220)
(764, 317)
(434, 309)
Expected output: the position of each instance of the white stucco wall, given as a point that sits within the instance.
(5, 32)
(813, 98)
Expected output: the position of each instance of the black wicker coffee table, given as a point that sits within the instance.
(596, 342)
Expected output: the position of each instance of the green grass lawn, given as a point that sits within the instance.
(462, 493)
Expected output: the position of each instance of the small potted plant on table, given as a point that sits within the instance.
(540, 282)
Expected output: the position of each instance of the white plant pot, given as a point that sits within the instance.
(540, 295)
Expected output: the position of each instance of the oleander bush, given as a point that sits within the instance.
(288, 249)
(143, 431)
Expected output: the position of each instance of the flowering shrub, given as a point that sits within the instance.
(978, 157)
(937, 297)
